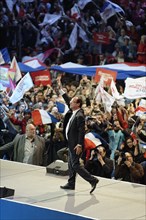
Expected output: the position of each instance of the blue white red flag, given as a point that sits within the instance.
(53, 119)
(42, 117)
(91, 140)
(62, 108)
(32, 65)
(41, 56)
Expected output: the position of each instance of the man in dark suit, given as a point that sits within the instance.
(74, 130)
(27, 148)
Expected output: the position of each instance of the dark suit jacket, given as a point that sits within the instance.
(18, 144)
(76, 130)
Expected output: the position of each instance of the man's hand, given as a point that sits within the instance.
(78, 149)
(59, 82)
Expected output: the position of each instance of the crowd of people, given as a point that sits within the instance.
(31, 27)
(120, 131)
(121, 153)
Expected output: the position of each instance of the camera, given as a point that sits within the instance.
(120, 154)
(96, 151)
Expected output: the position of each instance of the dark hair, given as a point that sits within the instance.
(27, 112)
(80, 101)
(127, 138)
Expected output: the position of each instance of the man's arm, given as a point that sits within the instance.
(9, 147)
(62, 92)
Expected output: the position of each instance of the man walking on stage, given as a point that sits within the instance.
(74, 131)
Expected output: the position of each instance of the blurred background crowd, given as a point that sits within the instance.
(33, 26)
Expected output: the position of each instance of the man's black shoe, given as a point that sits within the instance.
(93, 185)
(67, 186)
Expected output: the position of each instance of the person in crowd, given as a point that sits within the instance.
(131, 145)
(100, 125)
(7, 129)
(121, 38)
(58, 138)
(141, 130)
(26, 148)
(144, 167)
(116, 137)
(22, 122)
(99, 164)
(127, 170)
(102, 59)
(74, 128)
(141, 50)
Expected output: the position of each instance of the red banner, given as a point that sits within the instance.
(102, 38)
(107, 75)
(41, 77)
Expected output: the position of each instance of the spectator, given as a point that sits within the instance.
(116, 137)
(141, 130)
(141, 51)
(98, 164)
(26, 116)
(127, 170)
(131, 145)
(27, 148)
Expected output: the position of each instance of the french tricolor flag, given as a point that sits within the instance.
(91, 140)
(42, 117)
(62, 108)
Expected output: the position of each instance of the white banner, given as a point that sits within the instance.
(50, 19)
(107, 100)
(83, 35)
(114, 90)
(118, 98)
(135, 88)
(23, 86)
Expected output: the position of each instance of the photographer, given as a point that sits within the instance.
(131, 145)
(141, 130)
(127, 170)
(98, 164)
